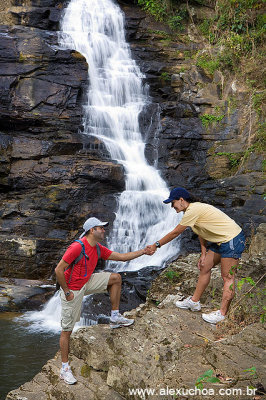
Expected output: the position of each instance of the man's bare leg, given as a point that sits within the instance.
(64, 345)
(114, 288)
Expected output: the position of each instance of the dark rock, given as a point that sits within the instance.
(23, 294)
(53, 175)
(135, 286)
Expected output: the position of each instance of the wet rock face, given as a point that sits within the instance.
(52, 176)
(42, 87)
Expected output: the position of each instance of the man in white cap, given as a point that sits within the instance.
(75, 275)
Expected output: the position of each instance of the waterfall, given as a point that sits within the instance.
(116, 97)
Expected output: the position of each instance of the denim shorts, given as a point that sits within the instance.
(232, 249)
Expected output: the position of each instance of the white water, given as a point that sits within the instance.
(48, 319)
(116, 97)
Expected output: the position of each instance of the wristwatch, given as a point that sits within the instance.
(157, 244)
(67, 293)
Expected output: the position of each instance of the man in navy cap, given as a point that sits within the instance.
(75, 274)
(226, 244)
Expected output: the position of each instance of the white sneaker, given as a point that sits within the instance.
(213, 317)
(67, 375)
(118, 321)
(189, 304)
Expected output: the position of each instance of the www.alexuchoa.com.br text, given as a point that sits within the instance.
(233, 392)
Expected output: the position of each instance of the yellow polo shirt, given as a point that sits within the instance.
(210, 223)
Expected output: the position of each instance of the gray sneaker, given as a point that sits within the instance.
(118, 321)
(67, 375)
(189, 304)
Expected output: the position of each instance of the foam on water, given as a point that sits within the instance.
(48, 319)
(116, 97)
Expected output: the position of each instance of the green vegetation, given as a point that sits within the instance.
(165, 76)
(259, 99)
(250, 303)
(252, 371)
(207, 119)
(207, 63)
(172, 275)
(157, 8)
(208, 376)
(234, 158)
(174, 13)
(235, 29)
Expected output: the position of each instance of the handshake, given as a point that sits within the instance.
(150, 249)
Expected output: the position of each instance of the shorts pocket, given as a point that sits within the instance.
(67, 319)
(231, 244)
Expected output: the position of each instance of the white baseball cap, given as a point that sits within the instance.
(91, 223)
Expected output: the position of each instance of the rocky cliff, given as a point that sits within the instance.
(168, 351)
(52, 176)
(208, 124)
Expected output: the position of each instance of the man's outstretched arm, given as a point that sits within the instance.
(115, 256)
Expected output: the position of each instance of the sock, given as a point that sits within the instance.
(65, 365)
(114, 313)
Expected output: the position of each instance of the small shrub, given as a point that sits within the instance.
(208, 376)
(207, 119)
(171, 275)
(165, 76)
(207, 63)
(234, 159)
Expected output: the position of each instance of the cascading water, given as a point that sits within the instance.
(116, 97)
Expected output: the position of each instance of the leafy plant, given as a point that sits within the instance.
(207, 119)
(252, 371)
(157, 8)
(207, 63)
(234, 160)
(255, 295)
(176, 23)
(171, 274)
(165, 76)
(208, 376)
(243, 280)
(177, 20)
(258, 100)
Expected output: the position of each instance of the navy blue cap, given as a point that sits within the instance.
(176, 193)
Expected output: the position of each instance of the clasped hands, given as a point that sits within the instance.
(150, 249)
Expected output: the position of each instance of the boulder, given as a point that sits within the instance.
(23, 294)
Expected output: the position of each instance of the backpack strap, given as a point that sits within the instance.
(81, 255)
(98, 250)
(74, 262)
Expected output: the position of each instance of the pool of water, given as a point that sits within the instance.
(23, 351)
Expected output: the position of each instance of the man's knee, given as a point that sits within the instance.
(115, 279)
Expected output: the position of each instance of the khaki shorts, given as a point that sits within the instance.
(71, 310)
